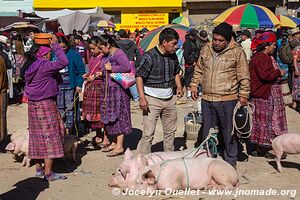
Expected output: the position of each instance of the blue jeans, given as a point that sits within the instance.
(134, 93)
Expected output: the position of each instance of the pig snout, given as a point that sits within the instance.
(118, 179)
(113, 182)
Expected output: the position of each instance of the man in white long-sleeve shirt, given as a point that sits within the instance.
(246, 43)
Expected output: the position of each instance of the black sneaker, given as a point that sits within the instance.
(257, 154)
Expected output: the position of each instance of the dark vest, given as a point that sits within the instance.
(158, 70)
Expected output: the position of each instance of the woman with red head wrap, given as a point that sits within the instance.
(269, 117)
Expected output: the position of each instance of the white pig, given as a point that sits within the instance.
(193, 173)
(126, 173)
(285, 144)
(19, 145)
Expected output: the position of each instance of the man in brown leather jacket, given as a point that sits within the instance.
(223, 71)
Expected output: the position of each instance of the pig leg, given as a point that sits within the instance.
(278, 155)
(28, 162)
(278, 151)
(223, 174)
(24, 161)
(74, 148)
(212, 185)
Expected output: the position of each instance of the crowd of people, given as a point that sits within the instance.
(245, 68)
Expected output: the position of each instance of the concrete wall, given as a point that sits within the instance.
(11, 7)
(201, 10)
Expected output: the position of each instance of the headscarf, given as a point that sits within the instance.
(265, 37)
(43, 50)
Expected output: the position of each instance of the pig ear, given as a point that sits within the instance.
(128, 154)
(141, 160)
(10, 147)
(149, 178)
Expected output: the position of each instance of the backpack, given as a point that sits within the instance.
(285, 54)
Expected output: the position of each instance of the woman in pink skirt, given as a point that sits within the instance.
(46, 129)
(91, 93)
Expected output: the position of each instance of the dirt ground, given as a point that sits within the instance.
(87, 179)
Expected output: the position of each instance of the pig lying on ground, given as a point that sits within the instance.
(19, 146)
(127, 172)
(285, 144)
(70, 146)
(193, 173)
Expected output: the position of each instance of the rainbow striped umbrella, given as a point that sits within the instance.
(183, 21)
(288, 21)
(151, 39)
(248, 16)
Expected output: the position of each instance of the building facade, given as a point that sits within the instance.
(206, 10)
(126, 14)
(14, 7)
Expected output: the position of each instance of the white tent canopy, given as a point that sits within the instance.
(53, 15)
(74, 19)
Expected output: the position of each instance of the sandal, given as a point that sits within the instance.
(101, 145)
(114, 153)
(98, 140)
(107, 149)
(54, 177)
(39, 172)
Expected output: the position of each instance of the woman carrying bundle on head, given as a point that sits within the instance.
(46, 129)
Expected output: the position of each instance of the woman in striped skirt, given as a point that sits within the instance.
(114, 100)
(269, 117)
(67, 99)
(92, 89)
(46, 129)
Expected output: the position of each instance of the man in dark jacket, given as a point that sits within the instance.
(133, 54)
(128, 46)
(190, 53)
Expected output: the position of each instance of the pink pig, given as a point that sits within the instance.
(285, 144)
(126, 173)
(188, 173)
(18, 146)
(70, 146)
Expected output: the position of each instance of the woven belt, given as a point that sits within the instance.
(162, 99)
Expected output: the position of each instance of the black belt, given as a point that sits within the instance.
(168, 99)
